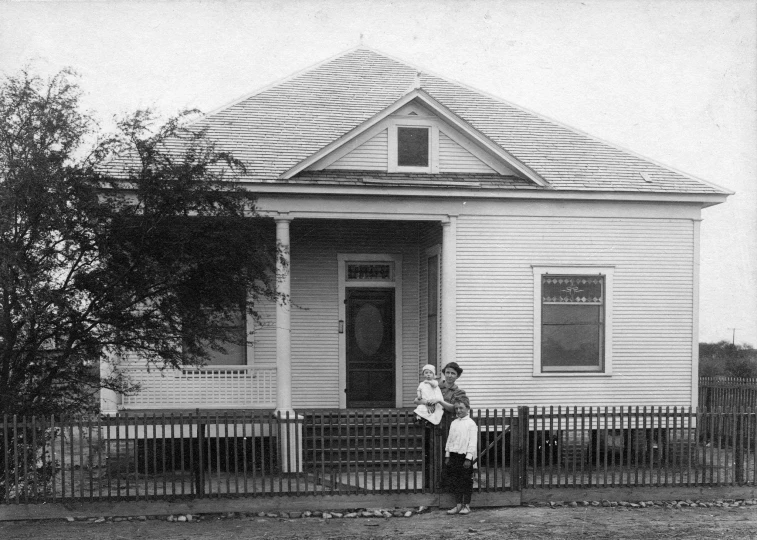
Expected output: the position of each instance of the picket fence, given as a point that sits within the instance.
(359, 452)
(727, 392)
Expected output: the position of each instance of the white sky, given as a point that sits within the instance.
(672, 80)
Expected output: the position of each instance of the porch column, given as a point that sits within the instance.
(290, 447)
(283, 319)
(449, 291)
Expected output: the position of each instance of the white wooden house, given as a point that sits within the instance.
(429, 222)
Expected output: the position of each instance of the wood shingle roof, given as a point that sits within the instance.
(273, 130)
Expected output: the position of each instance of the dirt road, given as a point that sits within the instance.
(500, 524)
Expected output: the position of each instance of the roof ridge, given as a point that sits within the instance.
(280, 81)
(595, 138)
(546, 118)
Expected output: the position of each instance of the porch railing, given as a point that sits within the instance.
(361, 452)
(206, 387)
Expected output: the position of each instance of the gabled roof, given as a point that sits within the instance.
(280, 127)
(419, 96)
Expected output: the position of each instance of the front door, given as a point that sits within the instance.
(370, 348)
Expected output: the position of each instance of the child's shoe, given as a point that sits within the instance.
(464, 510)
(454, 510)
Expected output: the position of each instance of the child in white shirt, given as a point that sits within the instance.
(428, 389)
(459, 451)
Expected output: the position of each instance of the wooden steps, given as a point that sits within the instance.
(363, 437)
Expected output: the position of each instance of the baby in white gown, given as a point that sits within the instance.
(428, 389)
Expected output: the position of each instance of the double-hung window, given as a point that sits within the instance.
(573, 316)
(232, 324)
(413, 146)
(236, 350)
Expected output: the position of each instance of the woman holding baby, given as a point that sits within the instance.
(449, 392)
(444, 397)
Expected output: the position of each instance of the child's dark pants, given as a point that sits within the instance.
(459, 479)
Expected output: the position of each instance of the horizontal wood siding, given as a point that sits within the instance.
(455, 158)
(315, 313)
(372, 155)
(653, 260)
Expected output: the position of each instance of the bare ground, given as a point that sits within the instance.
(501, 524)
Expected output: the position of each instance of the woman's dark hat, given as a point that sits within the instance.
(453, 365)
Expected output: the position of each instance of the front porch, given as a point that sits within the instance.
(362, 313)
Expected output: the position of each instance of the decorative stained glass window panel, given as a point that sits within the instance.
(572, 334)
(370, 271)
(572, 289)
(412, 147)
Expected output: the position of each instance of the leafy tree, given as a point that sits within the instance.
(723, 359)
(138, 242)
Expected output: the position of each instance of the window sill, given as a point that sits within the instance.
(411, 169)
(572, 374)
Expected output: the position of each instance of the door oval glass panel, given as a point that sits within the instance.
(369, 329)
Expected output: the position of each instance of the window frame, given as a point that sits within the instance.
(608, 273)
(422, 132)
(433, 144)
(246, 323)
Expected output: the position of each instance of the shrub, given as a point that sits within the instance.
(723, 359)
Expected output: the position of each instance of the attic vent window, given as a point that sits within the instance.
(412, 147)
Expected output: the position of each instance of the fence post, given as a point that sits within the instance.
(515, 452)
(520, 440)
(198, 461)
(738, 453)
(708, 402)
(436, 456)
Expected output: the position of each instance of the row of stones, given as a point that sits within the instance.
(283, 515)
(406, 512)
(719, 503)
